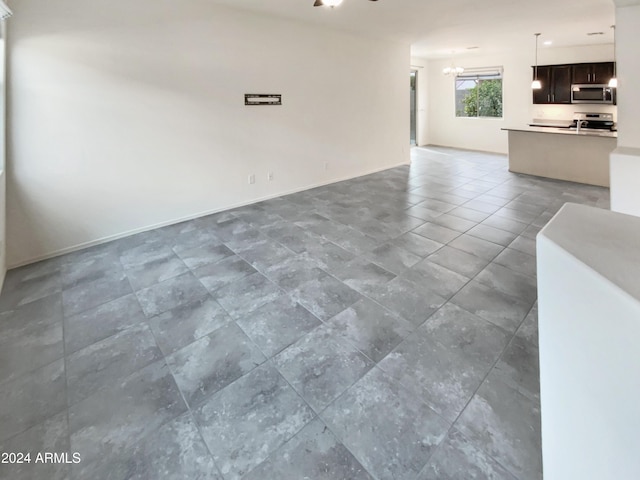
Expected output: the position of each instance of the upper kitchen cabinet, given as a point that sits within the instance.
(543, 94)
(561, 84)
(597, 73)
(556, 80)
(556, 84)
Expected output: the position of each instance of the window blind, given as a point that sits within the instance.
(483, 72)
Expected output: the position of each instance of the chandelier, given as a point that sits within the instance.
(452, 70)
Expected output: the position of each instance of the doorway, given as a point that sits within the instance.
(413, 123)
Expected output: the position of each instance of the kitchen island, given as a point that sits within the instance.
(562, 153)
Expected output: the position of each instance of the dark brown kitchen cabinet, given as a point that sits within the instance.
(596, 73)
(561, 83)
(543, 94)
(556, 84)
(582, 73)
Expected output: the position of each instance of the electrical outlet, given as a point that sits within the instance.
(270, 176)
(252, 179)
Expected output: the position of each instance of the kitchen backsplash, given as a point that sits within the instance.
(565, 112)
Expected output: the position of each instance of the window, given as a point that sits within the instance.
(479, 93)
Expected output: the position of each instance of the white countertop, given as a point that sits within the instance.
(565, 131)
(605, 241)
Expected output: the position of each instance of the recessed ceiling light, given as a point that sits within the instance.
(548, 42)
(594, 33)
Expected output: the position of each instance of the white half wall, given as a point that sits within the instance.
(589, 329)
(128, 115)
(624, 164)
(485, 133)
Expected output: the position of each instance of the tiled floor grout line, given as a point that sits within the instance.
(66, 379)
(163, 359)
(189, 410)
(204, 442)
(344, 393)
(315, 413)
(498, 358)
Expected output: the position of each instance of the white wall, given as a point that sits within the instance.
(126, 115)
(3, 226)
(627, 38)
(625, 162)
(422, 94)
(485, 134)
(3, 176)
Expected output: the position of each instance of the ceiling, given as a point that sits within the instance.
(436, 28)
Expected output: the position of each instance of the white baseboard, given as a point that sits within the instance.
(110, 238)
(462, 149)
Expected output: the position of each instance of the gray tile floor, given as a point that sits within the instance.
(383, 327)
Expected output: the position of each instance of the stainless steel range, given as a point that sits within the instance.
(593, 120)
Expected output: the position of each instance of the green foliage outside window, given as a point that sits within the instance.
(484, 99)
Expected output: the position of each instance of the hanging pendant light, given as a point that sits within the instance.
(536, 85)
(452, 69)
(613, 83)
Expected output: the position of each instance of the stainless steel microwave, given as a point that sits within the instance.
(590, 93)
